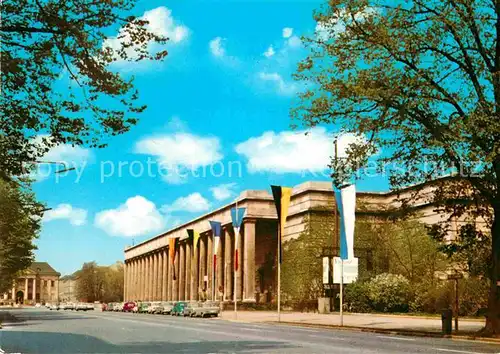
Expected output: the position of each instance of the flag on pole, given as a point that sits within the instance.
(171, 247)
(216, 229)
(346, 204)
(237, 218)
(281, 197)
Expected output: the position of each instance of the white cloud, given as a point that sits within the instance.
(269, 52)
(138, 216)
(216, 47)
(76, 216)
(181, 149)
(287, 32)
(293, 151)
(294, 42)
(160, 23)
(276, 82)
(193, 203)
(223, 191)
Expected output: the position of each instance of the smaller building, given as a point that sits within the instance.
(67, 289)
(37, 284)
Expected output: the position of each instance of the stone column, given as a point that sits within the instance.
(57, 290)
(34, 290)
(159, 280)
(210, 265)
(203, 261)
(25, 295)
(164, 282)
(154, 283)
(219, 270)
(140, 279)
(194, 273)
(147, 288)
(239, 272)
(134, 280)
(182, 271)
(159, 261)
(187, 289)
(170, 278)
(152, 280)
(249, 260)
(228, 264)
(176, 270)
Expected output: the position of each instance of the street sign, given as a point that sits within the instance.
(326, 270)
(455, 276)
(350, 270)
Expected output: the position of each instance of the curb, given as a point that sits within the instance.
(408, 333)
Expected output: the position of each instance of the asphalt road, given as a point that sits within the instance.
(58, 332)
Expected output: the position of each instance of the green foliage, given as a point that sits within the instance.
(389, 293)
(42, 40)
(356, 297)
(95, 283)
(19, 226)
(301, 270)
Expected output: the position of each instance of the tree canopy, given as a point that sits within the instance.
(44, 40)
(19, 226)
(419, 82)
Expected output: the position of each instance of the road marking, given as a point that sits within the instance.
(397, 338)
(250, 329)
(325, 337)
(456, 351)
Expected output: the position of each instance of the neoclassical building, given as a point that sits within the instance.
(38, 284)
(149, 270)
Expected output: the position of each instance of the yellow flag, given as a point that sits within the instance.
(286, 193)
(196, 237)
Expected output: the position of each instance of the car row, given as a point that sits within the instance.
(179, 308)
(81, 306)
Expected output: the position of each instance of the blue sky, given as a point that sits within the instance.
(220, 99)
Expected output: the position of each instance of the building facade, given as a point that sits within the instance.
(37, 284)
(151, 273)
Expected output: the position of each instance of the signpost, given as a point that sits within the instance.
(456, 276)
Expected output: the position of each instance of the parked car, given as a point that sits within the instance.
(68, 306)
(118, 306)
(136, 307)
(155, 307)
(47, 305)
(178, 308)
(90, 306)
(38, 305)
(54, 307)
(128, 306)
(143, 308)
(208, 309)
(166, 307)
(81, 307)
(190, 308)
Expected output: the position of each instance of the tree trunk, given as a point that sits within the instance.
(493, 316)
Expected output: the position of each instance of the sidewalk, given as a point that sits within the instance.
(371, 321)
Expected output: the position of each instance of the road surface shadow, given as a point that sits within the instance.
(68, 343)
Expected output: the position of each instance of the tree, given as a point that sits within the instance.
(419, 82)
(19, 226)
(44, 39)
(98, 283)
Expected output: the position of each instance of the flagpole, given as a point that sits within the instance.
(279, 272)
(235, 260)
(341, 259)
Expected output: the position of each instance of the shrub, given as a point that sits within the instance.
(390, 293)
(356, 297)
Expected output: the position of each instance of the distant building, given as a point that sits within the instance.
(37, 284)
(67, 289)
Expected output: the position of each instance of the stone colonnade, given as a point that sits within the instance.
(154, 277)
